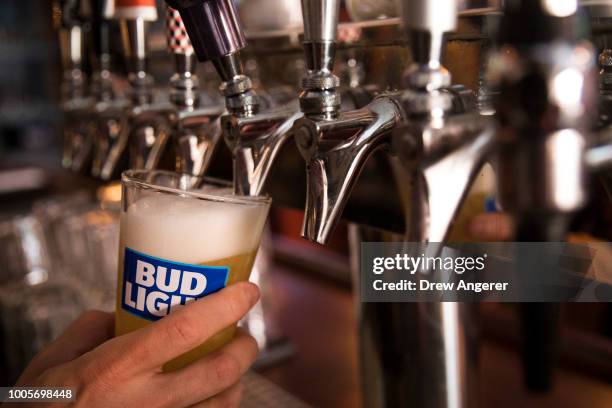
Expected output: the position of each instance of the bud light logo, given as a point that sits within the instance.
(154, 287)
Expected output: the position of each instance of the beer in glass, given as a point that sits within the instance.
(182, 237)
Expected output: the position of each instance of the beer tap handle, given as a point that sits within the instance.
(216, 35)
(426, 22)
(178, 40)
(134, 16)
(213, 27)
(320, 27)
(184, 81)
(68, 21)
(100, 30)
(319, 97)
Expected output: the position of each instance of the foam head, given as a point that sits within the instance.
(192, 230)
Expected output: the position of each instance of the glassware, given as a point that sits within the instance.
(182, 237)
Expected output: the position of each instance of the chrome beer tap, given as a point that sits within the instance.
(216, 35)
(195, 130)
(425, 135)
(76, 104)
(256, 136)
(545, 150)
(115, 117)
(412, 354)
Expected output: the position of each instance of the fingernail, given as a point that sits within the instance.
(252, 291)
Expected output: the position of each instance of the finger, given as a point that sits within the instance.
(229, 398)
(214, 373)
(491, 227)
(90, 330)
(179, 332)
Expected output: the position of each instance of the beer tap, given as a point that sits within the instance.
(441, 141)
(425, 136)
(78, 135)
(545, 149)
(102, 77)
(196, 130)
(254, 137)
(115, 116)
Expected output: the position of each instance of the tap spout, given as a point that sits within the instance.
(335, 151)
(255, 142)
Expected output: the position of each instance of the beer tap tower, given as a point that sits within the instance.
(115, 116)
(255, 136)
(546, 150)
(78, 134)
(411, 354)
(193, 131)
(196, 130)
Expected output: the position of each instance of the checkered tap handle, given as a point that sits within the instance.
(178, 40)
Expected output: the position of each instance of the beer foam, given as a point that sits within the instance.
(191, 230)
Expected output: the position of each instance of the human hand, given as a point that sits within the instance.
(491, 227)
(126, 371)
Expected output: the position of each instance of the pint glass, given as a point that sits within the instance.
(182, 237)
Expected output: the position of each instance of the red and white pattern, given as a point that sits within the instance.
(178, 41)
(133, 9)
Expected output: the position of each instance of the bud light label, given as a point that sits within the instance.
(154, 287)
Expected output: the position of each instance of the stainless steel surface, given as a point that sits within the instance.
(320, 20)
(433, 17)
(287, 15)
(149, 136)
(441, 143)
(255, 142)
(112, 133)
(542, 170)
(319, 96)
(118, 121)
(134, 35)
(413, 354)
(76, 105)
(541, 165)
(184, 83)
(71, 47)
(196, 134)
(335, 152)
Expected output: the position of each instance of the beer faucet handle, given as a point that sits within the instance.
(184, 82)
(319, 96)
(213, 27)
(426, 22)
(216, 35)
(320, 27)
(134, 16)
(66, 14)
(178, 40)
(96, 12)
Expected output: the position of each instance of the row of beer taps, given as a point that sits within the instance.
(543, 132)
(543, 142)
